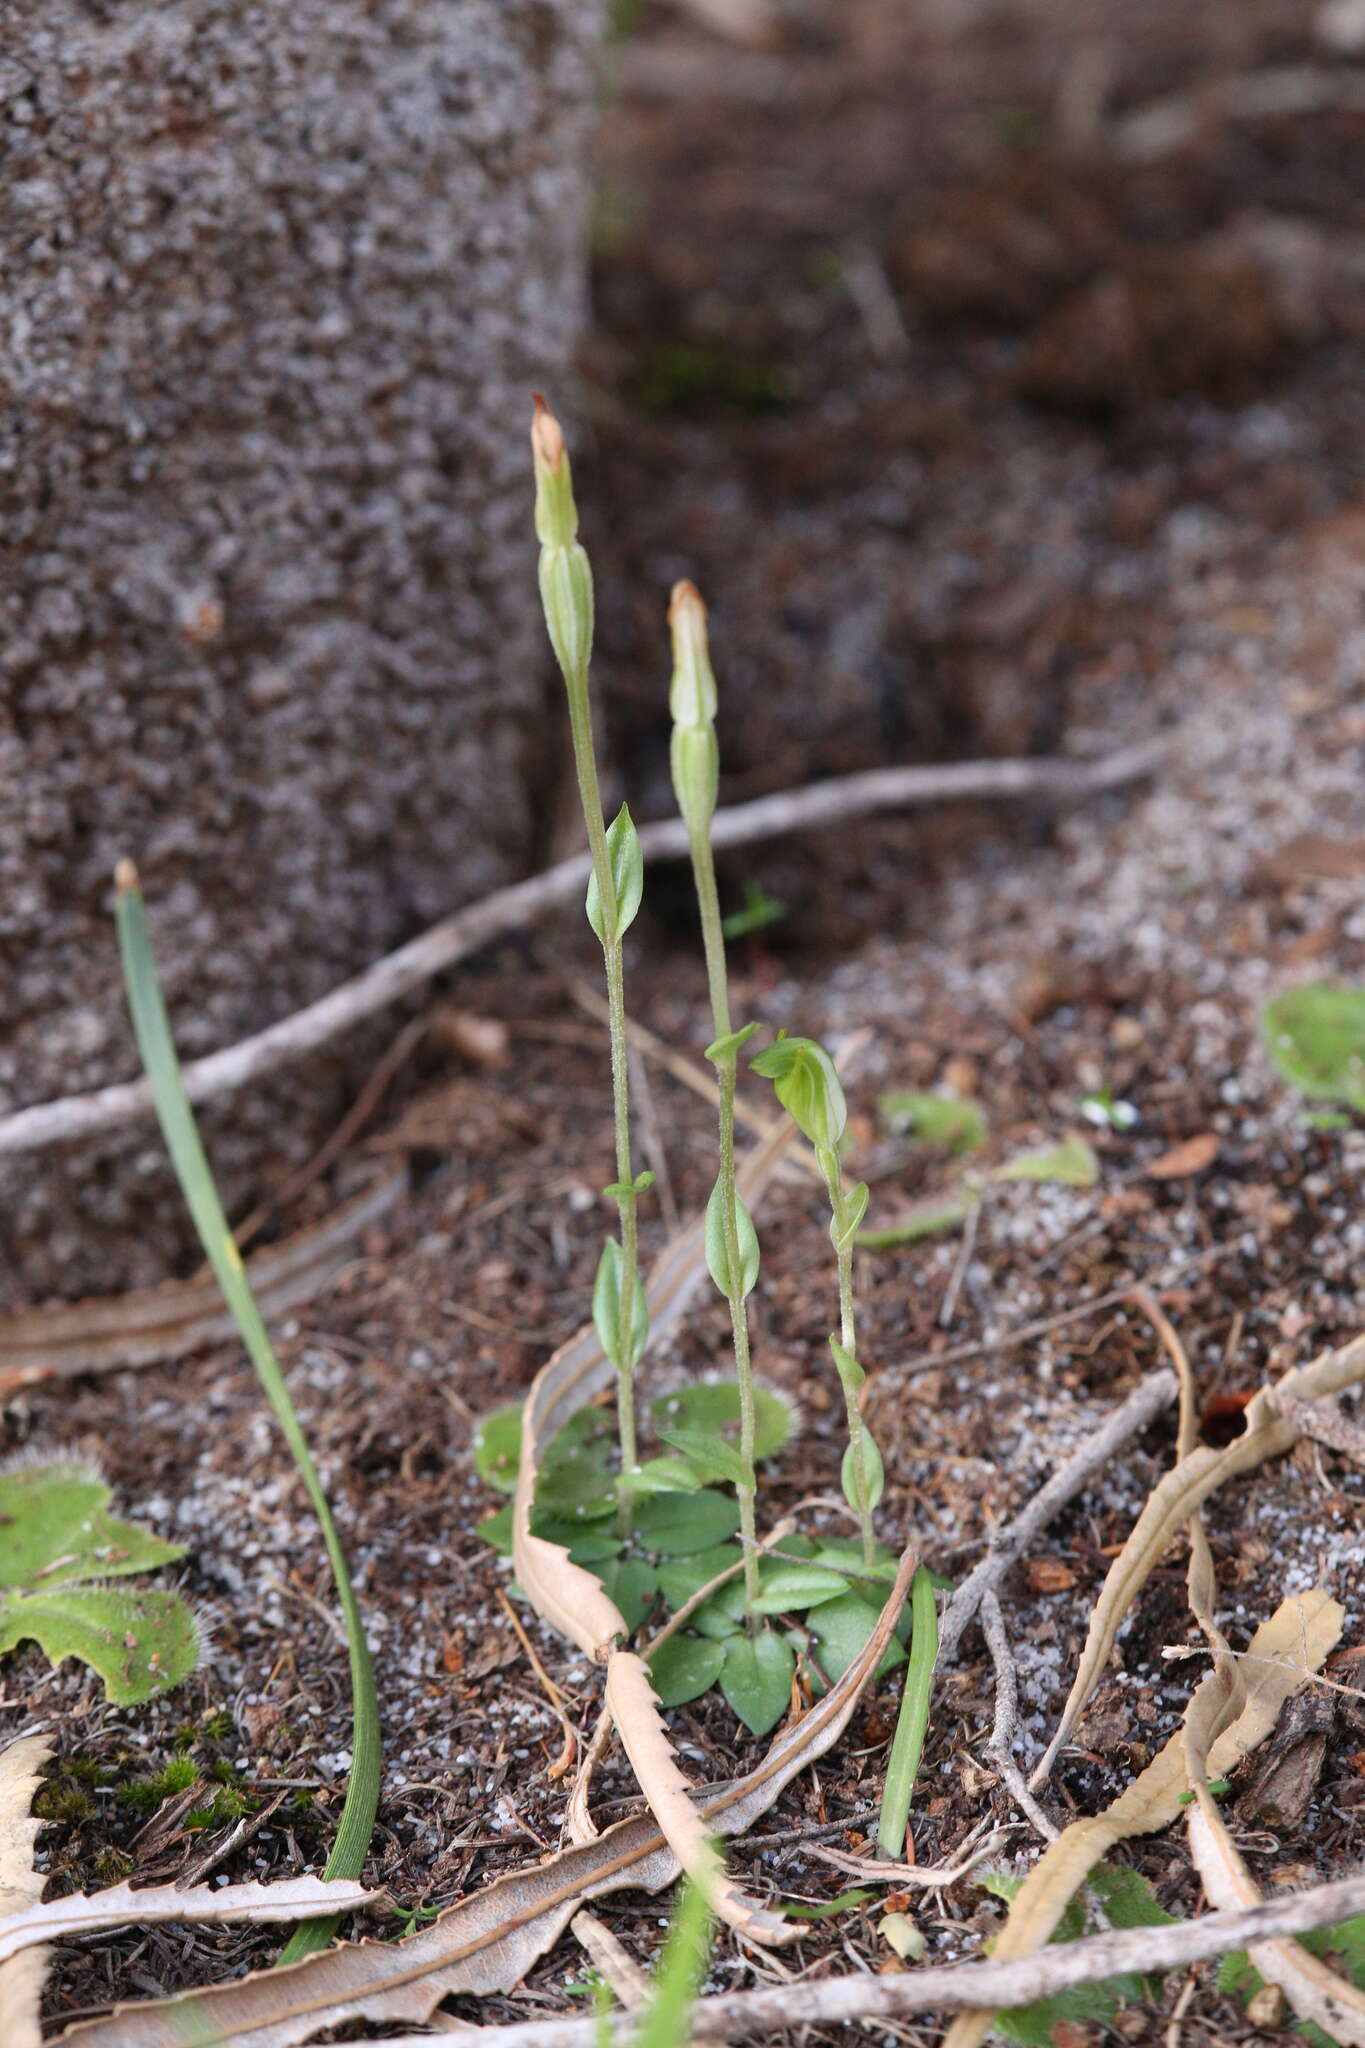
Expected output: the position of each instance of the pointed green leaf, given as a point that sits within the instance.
(496, 1529)
(681, 1577)
(685, 1667)
(855, 1208)
(797, 1587)
(627, 874)
(678, 1524)
(725, 1048)
(55, 1529)
(807, 1086)
(851, 1374)
(945, 1120)
(921, 1219)
(140, 1642)
(841, 1629)
(619, 1189)
(717, 1259)
(757, 1677)
(713, 1405)
(1072, 1164)
(712, 1456)
(606, 1309)
(875, 1473)
(661, 1475)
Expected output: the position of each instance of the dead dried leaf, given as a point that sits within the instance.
(294, 1898)
(1182, 1162)
(21, 1886)
(1176, 1497)
(62, 1338)
(1048, 1575)
(1282, 1653)
(485, 1943)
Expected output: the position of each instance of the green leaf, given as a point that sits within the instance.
(713, 1456)
(665, 2022)
(855, 1208)
(685, 1667)
(841, 1629)
(496, 1529)
(140, 1641)
(606, 1309)
(619, 1189)
(713, 1405)
(796, 1587)
(921, 1219)
(681, 1577)
(574, 1480)
(757, 1678)
(725, 1048)
(717, 1258)
(497, 1448)
(876, 1475)
(1342, 1947)
(851, 1374)
(632, 1584)
(1316, 1037)
(802, 1909)
(661, 1475)
(1125, 1900)
(55, 1528)
(808, 1088)
(680, 1524)
(590, 1544)
(947, 1120)
(759, 910)
(627, 874)
(1072, 1164)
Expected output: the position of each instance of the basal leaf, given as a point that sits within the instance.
(923, 1219)
(56, 1529)
(632, 1584)
(661, 1475)
(1072, 1164)
(713, 1405)
(678, 1524)
(140, 1641)
(497, 1447)
(947, 1120)
(756, 1679)
(685, 1667)
(1316, 1037)
(840, 1629)
(795, 1587)
(681, 1577)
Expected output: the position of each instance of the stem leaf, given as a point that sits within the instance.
(717, 1254)
(876, 1475)
(606, 1309)
(627, 879)
(724, 1048)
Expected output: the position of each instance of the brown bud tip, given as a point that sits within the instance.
(126, 877)
(683, 597)
(547, 437)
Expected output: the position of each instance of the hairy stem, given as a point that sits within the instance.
(713, 940)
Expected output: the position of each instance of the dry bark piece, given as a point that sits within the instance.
(21, 1886)
(293, 1898)
(1286, 1777)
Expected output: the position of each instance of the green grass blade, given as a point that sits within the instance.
(195, 1175)
(687, 1950)
(907, 1746)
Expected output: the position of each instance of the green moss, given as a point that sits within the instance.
(59, 1801)
(145, 1795)
(219, 1725)
(112, 1866)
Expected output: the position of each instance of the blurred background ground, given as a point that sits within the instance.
(992, 414)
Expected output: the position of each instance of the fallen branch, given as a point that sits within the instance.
(960, 1986)
(440, 947)
(1143, 1405)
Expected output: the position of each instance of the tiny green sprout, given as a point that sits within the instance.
(759, 910)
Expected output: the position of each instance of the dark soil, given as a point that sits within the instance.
(917, 389)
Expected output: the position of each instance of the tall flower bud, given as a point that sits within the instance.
(565, 576)
(693, 753)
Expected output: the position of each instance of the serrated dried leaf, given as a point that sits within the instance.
(1178, 1496)
(1284, 1651)
(294, 1898)
(485, 1943)
(21, 1886)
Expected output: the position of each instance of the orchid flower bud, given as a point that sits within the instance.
(556, 512)
(692, 693)
(565, 575)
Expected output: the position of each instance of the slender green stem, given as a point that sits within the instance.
(195, 1175)
(907, 1745)
(590, 796)
(857, 1435)
(713, 941)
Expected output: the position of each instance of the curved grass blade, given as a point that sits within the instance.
(907, 1745)
(195, 1175)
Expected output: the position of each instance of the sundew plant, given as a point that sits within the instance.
(679, 1531)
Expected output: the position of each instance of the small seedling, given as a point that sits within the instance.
(759, 911)
(1122, 1899)
(1341, 1947)
(59, 1546)
(950, 1121)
